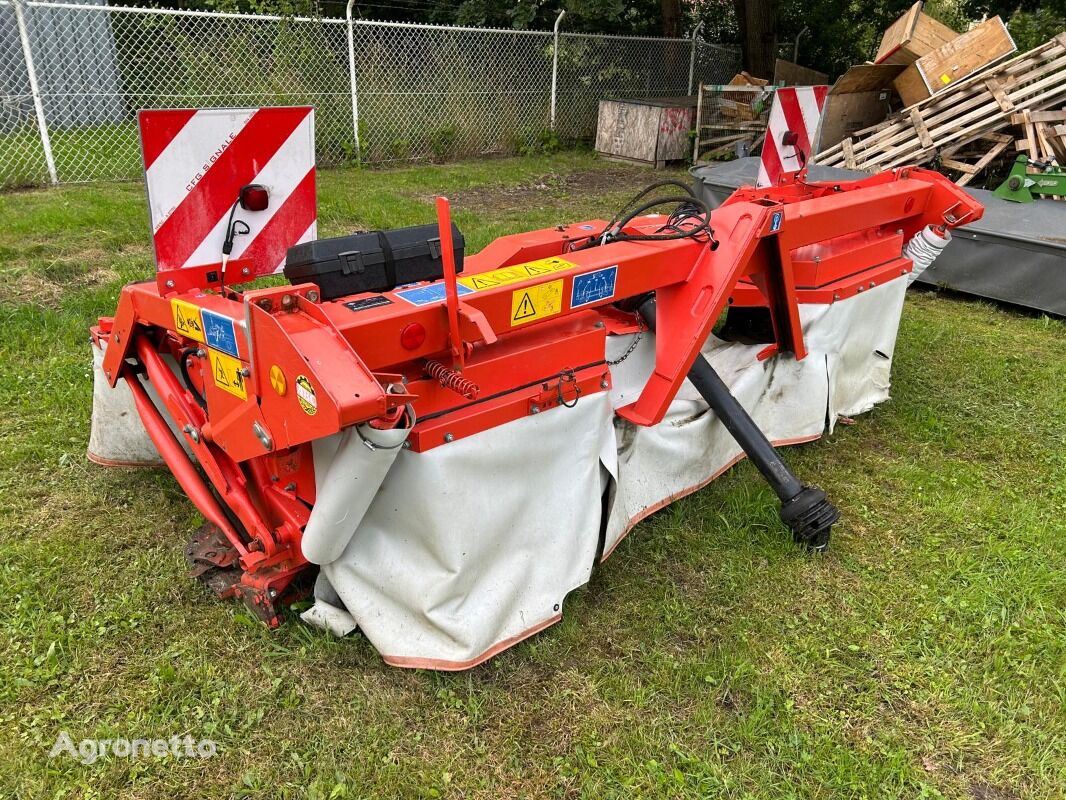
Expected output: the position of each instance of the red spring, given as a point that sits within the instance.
(450, 379)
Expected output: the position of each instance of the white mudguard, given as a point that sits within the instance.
(470, 547)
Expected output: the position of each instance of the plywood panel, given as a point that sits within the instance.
(866, 78)
(847, 113)
(627, 130)
(673, 141)
(788, 74)
(910, 86)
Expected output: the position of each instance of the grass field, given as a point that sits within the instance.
(924, 656)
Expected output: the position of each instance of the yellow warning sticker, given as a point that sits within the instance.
(226, 371)
(945, 78)
(516, 273)
(187, 319)
(536, 302)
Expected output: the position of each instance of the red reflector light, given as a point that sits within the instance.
(412, 336)
(254, 197)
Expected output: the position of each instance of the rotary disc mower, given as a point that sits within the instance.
(439, 445)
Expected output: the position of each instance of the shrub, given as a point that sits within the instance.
(442, 142)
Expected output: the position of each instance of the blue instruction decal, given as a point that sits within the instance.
(775, 221)
(593, 287)
(219, 332)
(433, 293)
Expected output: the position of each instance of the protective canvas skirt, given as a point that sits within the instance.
(117, 437)
(447, 557)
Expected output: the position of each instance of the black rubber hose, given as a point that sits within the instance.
(625, 214)
(646, 191)
(804, 509)
(183, 368)
(703, 225)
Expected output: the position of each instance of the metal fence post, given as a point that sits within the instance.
(351, 80)
(555, 66)
(692, 55)
(38, 106)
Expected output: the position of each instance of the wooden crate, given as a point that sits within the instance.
(954, 61)
(652, 131)
(912, 36)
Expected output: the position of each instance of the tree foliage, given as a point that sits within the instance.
(832, 34)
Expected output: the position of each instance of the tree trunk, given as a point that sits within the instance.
(671, 10)
(758, 35)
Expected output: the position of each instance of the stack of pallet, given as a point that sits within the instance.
(964, 115)
(1044, 135)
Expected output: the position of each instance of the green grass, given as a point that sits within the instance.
(924, 656)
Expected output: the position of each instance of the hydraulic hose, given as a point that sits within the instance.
(804, 509)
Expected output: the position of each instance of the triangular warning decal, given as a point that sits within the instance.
(220, 374)
(525, 308)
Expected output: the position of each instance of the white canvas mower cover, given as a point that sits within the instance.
(441, 462)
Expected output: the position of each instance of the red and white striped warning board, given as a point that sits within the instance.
(195, 163)
(792, 132)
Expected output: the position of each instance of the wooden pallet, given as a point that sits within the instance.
(1042, 138)
(979, 105)
(982, 151)
(1057, 140)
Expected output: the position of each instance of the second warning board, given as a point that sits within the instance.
(536, 302)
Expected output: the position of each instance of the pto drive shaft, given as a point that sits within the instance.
(804, 509)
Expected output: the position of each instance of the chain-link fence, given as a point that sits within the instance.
(74, 75)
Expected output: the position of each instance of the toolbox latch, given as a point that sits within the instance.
(434, 248)
(351, 262)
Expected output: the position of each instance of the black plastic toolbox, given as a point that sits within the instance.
(371, 262)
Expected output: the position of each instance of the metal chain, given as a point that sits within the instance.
(641, 327)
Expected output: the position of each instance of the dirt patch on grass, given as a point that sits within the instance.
(48, 290)
(554, 187)
(984, 791)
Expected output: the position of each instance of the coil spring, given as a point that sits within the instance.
(450, 379)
